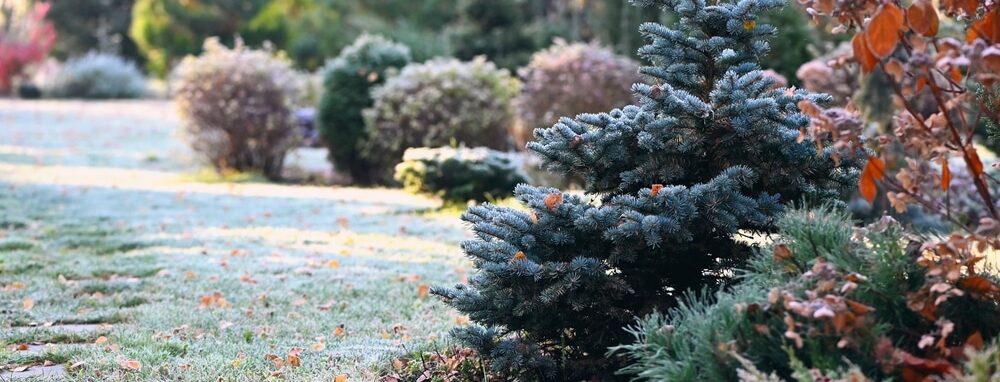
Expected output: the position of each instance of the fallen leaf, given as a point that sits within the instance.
(422, 290)
(101, 340)
(339, 331)
(340, 378)
(278, 362)
(293, 357)
(519, 256)
(28, 303)
(22, 347)
(130, 364)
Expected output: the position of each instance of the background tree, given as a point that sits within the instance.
(168, 30)
(712, 152)
(94, 25)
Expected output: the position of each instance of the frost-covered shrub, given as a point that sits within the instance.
(829, 74)
(438, 103)
(236, 106)
(828, 297)
(460, 174)
(347, 84)
(98, 76)
(571, 79)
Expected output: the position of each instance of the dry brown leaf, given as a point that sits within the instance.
(882, 33)
(553, 200)
(422, 290)
(130, 364)
(28, 303)
(862, 54)
(655, 190)
(874, 171)
(294, 358)
(923, 18)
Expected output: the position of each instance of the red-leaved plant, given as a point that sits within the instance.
(902, 42)
(24, 40)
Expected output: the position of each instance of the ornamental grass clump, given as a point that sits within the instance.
(439, 103)
(237, 107)
(713, 151)
(830, 300)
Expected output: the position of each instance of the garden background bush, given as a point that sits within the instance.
(347, 83)
(237, 107)
(437, 103)
(97, 76)
(460, 174)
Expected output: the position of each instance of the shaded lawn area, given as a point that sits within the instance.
(202, 282)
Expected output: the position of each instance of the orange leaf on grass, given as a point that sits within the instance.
(340, 378)
(28, 303)
(873, 172)
(923, 18)
(422, 290)
(293, 357)
(882, 33)
(130, 364)
(862, 54)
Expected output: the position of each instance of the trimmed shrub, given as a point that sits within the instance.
(827, 299)
(97, 76)
(347, 84)
(236, 106)
(437, 103)
(571, 79)
(458, 175)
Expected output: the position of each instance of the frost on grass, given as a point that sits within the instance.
(202, 280)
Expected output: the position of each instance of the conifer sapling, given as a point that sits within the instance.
(713, 151)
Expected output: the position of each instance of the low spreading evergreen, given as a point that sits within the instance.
(712, 152)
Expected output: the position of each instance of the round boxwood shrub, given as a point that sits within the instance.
(98, 76)
(458, 175)
(437, 103)
(237, 107)
(347, 84)
(570, 79)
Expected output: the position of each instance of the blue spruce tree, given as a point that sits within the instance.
(712, 152)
